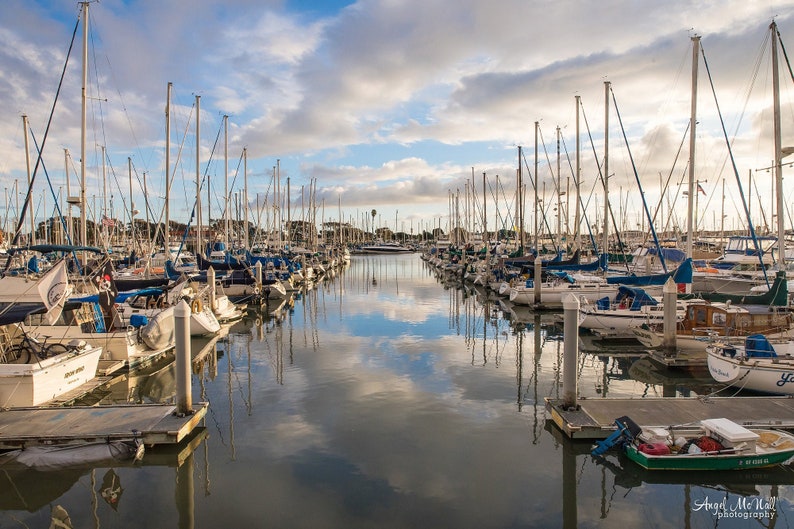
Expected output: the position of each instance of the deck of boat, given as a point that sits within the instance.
(153, 424)
(595, 418)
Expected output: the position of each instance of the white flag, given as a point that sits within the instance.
(54, 288)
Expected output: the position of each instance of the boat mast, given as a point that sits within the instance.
(226, 177)
(781, 234)
(577, 219)
(245, 197)
(132, 204)
(605, 243)
(559, 196)
(198, 174)
(167, 233)
(83, 203)
(25, 129)
(690, 230)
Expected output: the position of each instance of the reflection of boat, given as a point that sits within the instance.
(647, 371)
(713, 444)
(758, 365)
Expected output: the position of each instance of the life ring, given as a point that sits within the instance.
(196, 306)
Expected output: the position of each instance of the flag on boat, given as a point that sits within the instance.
(54, 288)
(108, 222)
(107, 288)
(700, 189)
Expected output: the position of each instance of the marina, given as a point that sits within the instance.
(353, 394)
(295, 333)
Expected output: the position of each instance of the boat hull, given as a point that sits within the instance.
(33, 384)
(761, 375)
(737, 461)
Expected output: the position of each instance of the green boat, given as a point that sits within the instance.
(713, 444)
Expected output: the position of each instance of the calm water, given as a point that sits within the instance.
(385, 398)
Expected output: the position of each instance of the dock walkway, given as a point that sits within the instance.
(153, 424)
(595, 418)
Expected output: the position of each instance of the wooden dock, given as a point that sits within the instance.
(154, 424)
(595, 418)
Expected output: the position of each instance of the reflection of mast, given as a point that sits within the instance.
(229, 368)
(519, 367)
(538, 350)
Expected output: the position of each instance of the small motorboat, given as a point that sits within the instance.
(711, 444)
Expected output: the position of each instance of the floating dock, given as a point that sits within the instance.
(154, 424)
(595, 418)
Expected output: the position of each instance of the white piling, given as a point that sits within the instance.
(258, 269)
(184, 402)
(670, 299)
(570, 307)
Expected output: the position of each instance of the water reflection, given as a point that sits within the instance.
(385, 398)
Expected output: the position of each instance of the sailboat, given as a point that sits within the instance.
(32, 371)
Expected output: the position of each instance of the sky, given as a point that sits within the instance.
(397, 106)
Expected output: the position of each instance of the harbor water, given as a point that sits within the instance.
(388, 397)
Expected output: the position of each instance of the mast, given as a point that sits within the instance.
(198, 175)
(535, 176)
(27, 164)
(83, 203)
(245, 197)
(690, 230)
(70, 222)
(605, 242)
(577, 219)
(781, 234)
(226, 177)
(132, 204)
(559, 191)
(167, 233)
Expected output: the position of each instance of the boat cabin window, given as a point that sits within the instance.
(699, 315)
(718, 319)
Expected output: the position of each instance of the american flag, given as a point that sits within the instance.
(108, 222)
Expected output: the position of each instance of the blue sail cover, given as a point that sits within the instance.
(639, 298)
(757, 346)
(17, 312)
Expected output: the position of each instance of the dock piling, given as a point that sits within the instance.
(570, 307)
(184, 403)
(669, 298)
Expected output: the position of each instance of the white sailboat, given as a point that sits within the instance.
(33, 372)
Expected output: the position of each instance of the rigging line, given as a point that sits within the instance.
(55, 198)
(548, 205)
(735, 170)
(598, 165)
(603, 178)
(543, 213)
(669, 178)
(18, 230)
(495, 198)
(637, 177)
(581, 203)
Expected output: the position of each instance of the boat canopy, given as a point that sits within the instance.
(758, 346)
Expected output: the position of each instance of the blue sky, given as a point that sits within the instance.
(390, 105)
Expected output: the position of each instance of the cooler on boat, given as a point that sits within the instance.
(730, 434)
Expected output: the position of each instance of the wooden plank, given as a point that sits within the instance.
(153, 423)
